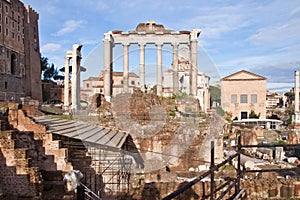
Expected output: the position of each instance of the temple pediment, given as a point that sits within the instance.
(243, 75)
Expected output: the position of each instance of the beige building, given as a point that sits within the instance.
(20, 74)
(243, 92)
(95, 85)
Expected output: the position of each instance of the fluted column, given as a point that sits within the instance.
(175, 68)
(107, 66)
(194, 60)
(76, 76)
(142, 66)
(296, 91)
(125, 68)
(78, 59)
(159, 69)
(66, 83)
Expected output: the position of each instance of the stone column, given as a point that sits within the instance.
(107, 66)
(175, 68)
(76, 76)
(194, 60)
(125, 68)
(142, 66)
(296, 91)
(159, 69)
(78, 64)
(66, 83)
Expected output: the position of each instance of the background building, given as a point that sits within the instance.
(20, 71)
(95, 85)
(243, 92)
(202, 93)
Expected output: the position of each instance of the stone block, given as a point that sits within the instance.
(292, 160)
(286, 192)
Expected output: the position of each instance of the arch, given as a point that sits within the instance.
(13, 63)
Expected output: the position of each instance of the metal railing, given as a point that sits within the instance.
(232, 183)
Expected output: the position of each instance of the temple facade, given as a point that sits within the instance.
(183, 76)
(150, 33)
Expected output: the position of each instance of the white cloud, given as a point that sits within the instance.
(50, 47)
(90, 42)
(277, 34)
(70, 26)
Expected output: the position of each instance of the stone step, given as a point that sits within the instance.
(57, 152)
(52, 175)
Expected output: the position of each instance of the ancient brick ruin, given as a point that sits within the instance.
(37, 151)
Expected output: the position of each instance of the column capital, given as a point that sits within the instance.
(159, 44)
(175, 44)
(108, 36)
(142, 44)
(195, 34)
(124, 44)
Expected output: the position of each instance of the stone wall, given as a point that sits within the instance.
(269, 186)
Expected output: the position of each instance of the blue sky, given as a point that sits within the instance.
(260, 36)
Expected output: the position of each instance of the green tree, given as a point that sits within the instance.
(215, 94)
(253, 115)
(44, 63)
(50, 73)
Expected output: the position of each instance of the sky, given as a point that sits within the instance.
(262, 37)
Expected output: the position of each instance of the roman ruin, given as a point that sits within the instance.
(150, 33)
(75, 56)
(296, 118)
(140, 144)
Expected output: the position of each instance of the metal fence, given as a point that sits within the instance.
(230, 184)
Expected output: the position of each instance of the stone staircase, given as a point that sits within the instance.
(31, 159)
(20, 179)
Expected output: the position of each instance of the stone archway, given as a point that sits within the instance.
(13, 64)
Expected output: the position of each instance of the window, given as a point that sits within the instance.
(132, 82)
(6, 9)
(6, 20)
(5, 85)
(6, 32)
(87, 85)
(13, 24)
(253, 98)
(0, 28)
(12, 34)
(233, 98)
(122, 82)
(244, 115)
(0, 16)
(13, 15)
(243, 98)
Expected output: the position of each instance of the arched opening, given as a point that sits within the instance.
(13, 64)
